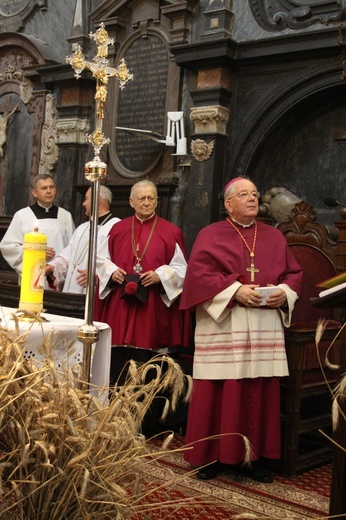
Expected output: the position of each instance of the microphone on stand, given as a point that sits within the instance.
(332, 202)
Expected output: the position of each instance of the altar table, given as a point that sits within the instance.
(66, 350)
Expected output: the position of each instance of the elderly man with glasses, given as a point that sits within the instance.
(243, 281)
(139, 287)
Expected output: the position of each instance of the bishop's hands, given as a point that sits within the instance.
(277, 299)
(147, 278)
(118, 275)
(247, 296)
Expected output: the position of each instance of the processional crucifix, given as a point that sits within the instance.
(95, 170)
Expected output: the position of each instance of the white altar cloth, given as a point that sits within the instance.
(66, 349)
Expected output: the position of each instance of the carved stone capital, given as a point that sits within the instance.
(211, 119)
(72, 130)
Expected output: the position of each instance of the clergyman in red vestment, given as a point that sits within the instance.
(239, 337)
(140, 285)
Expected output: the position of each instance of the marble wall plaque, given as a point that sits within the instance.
(142, 105)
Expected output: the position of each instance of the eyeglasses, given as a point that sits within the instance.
(141, 200)
(242, 195)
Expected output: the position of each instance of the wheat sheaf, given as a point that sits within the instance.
(66, 455)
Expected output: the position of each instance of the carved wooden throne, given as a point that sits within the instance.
(306, 400)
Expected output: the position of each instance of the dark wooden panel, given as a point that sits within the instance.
(63, 304)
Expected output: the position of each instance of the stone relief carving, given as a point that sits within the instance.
(10, 73)
(201, 151)
(279, 202)
(296, 14)
(72, 130)
(15, 73)
(49, 148)
(26, 88)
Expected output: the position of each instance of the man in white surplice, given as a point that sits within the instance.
(70, 268)
(53, 221)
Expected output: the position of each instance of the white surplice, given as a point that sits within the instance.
(75, 256)
(240, 342)
(58, 230)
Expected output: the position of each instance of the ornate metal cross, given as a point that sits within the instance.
(102, 72)
(95, 170)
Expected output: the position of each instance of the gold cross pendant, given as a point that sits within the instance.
(252, 271)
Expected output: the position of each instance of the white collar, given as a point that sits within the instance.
(243, 225)
(44, 207)
(145, 219)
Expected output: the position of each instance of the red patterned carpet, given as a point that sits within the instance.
(233, 496)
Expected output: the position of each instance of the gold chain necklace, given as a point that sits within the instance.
(135, 246)
(250, 269)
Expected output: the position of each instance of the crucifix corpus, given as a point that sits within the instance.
(7, 109)
(95, 170)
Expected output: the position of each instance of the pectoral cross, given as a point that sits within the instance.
(252, 270)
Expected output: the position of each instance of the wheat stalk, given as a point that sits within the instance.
(67, 456)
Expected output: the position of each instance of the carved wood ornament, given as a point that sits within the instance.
(303, 228)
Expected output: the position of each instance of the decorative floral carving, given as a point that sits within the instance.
(11, 73)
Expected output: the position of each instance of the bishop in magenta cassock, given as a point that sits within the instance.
(239, 337)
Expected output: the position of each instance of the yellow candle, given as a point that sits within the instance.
(34, 262)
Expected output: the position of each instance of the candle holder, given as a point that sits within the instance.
(24, 315)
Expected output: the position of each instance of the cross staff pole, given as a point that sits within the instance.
(95, 172)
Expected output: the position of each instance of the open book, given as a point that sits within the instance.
(334, 289)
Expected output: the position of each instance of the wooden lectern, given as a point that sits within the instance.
(338, 486)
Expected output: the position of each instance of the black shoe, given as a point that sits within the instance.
(257, 473)
(209, 472)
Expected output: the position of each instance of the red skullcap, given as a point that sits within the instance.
(232, 181)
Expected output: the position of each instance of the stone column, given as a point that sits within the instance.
(203, 184)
